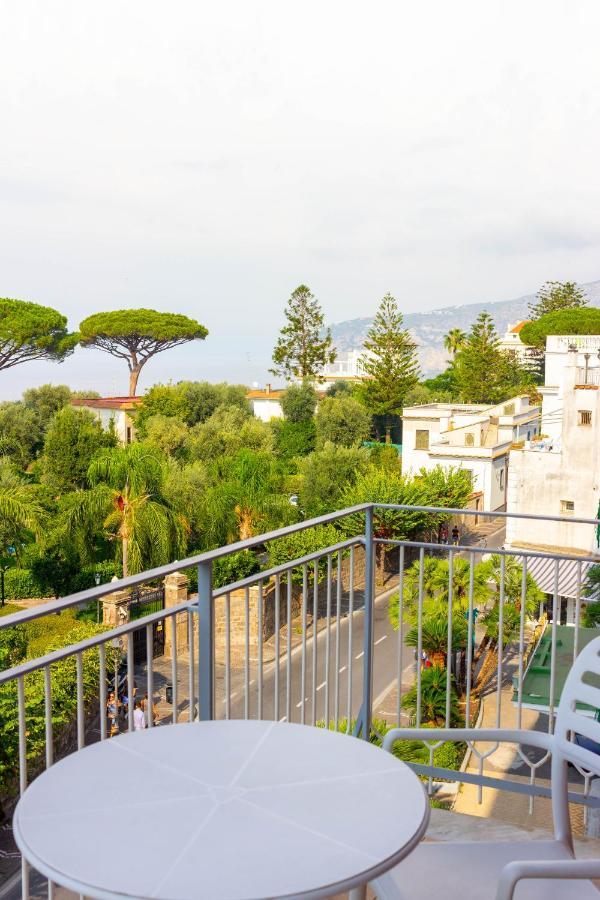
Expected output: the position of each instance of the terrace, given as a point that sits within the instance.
(310, 641)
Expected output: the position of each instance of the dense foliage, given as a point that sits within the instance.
(564, 321)
(30, 332)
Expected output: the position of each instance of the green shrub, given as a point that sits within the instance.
(302, 543)
(85, 579)
(227, 570)
(20, 584)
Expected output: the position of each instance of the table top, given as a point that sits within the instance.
(237, 810)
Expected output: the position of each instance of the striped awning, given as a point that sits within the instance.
(543, 569)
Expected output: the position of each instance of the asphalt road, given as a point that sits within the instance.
(322, 695)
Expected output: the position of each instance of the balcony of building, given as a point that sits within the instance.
(339, 637)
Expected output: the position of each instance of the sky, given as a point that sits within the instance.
(206, 158)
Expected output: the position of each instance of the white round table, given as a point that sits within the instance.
(236, 810)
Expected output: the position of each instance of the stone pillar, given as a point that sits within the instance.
(176, 592)
(115, 609)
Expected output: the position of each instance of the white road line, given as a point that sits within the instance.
(380, 640)
(299, 704)
(362, 653)
(322, 685)
(343, 669)
(284, 719)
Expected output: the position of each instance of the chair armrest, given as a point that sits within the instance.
(560, 868)
(513, 736)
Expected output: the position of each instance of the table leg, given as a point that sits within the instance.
(359, 893)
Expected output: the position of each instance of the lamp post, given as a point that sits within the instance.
(5, 565)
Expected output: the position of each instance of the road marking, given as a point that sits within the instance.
(343, 669)
(322, 685)
(362, 653)
(298, 705)
(284, 719)
(380, 640)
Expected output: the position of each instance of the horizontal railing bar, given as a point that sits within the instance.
(286, 567)
(500, 551)
(33, 664)
(515, 787)
(110, 587)
(495, 514)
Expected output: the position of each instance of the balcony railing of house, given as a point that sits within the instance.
(310, 641)
(589, 375)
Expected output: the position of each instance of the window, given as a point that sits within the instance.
(422, 439)
(585, 417)
(567, 506)
(469, 440)
(529, 435)
(501, 479)
(509, 409)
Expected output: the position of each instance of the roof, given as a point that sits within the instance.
(264, 395)
(124, 403)
(516, 329)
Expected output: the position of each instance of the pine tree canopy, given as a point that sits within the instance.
(557, 295)
(302, 351)
(483, 372)
(390, 360)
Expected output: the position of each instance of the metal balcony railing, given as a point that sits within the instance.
(310, 641)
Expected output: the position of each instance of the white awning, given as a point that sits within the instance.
(543, 569)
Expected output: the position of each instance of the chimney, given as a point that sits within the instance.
(268, 389)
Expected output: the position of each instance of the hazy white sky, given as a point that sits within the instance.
(208, 157)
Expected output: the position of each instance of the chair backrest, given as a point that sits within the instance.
(581, 687)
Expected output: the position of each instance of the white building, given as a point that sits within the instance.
(266, 404)
(118, 410)
(559, 475)
(557, 358)
(347, 367)
(476, 437)
(512, 343)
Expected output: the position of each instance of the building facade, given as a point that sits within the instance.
(559, 474)
(118, 410)
(475, 437)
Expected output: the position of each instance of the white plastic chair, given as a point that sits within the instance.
(525, 870)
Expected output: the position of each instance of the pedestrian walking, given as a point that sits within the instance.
(455, 535)
(112, 709)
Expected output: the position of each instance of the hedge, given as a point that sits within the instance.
(19, 584)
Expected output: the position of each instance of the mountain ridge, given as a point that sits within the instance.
(429, 328)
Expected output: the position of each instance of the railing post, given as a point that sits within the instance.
(367, 698)
(206, 643)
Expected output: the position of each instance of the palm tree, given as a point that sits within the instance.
(244, 498)
(454, 341)
(434, 637)
(433, 698)
(461, 582)
(127, 496)
(19, 510)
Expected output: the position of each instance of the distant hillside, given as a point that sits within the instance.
(429, 328)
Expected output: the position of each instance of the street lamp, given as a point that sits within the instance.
(5, 565)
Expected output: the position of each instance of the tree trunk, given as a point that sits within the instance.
(388, 433)
(125, 543)
(133, 380)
